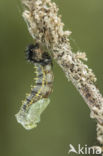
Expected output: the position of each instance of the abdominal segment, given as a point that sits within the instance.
(42, 87)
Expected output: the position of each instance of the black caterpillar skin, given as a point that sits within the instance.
(35, 55)
(44, 75)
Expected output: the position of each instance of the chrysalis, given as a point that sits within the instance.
(36, 102)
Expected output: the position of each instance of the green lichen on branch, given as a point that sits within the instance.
(46, 27)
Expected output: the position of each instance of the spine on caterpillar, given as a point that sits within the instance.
(36, 102)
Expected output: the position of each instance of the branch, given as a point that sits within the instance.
(46, 27)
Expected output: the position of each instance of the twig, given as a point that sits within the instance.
(45, 26)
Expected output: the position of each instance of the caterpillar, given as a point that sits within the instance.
(36, 102)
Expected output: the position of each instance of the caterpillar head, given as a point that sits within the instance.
(34, 54)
